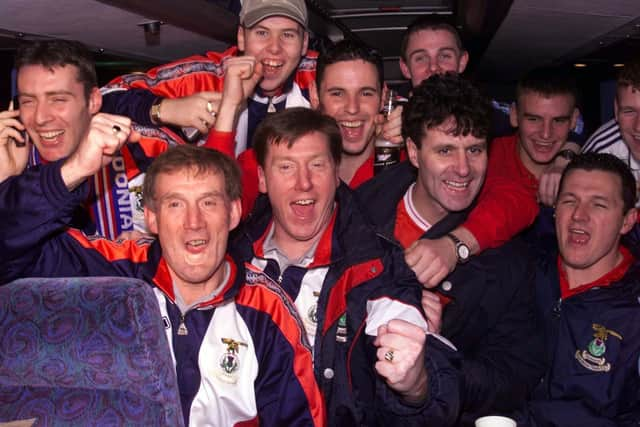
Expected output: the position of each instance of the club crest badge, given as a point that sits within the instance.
(311, 319)
(229, 362)
(593, 357)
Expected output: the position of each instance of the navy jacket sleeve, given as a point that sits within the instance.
(133, 103)
(35, 208)
(442, 404)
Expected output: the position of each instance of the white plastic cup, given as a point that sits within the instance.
(495, 421)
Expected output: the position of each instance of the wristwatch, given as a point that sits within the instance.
(462, 250)
(155, 112)
(566, 154)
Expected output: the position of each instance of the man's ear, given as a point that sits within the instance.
(235, 213)
(574, 117)
(95, 101)
(262, 182)
(412, 152)
(405, 69)
(305, 43)
(615, 108)
(464, 60)
(630, 219)
(240, 37)
(513, 115)
(151, 220)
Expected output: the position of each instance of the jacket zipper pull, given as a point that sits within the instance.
(557, 309)
(271, 108)
(182, 328)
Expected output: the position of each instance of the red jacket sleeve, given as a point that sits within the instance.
(505, 207)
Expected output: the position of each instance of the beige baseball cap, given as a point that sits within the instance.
(254, 11)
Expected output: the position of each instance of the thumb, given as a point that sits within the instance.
(134, 136)
(250, 84)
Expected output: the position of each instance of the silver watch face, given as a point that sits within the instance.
(463, 251)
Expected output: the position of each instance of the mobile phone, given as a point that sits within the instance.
(23, 133)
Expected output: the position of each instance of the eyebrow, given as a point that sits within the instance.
(447, 48)
(373, 88)
(262, 27)
(594, 197)
(49, 93)
(176, 195)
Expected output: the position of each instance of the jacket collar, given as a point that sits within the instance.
(156, 271)
(351, 235)
(385, 191)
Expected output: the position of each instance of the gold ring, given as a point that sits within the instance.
(116, 129)
(389, 356)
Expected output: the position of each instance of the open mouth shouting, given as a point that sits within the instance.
(352, 130)
(303, 208)
(578, 236)
(195, 247)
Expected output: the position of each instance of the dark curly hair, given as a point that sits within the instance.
(445, 96)
(605, 162)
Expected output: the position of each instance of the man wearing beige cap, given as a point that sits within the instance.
(185, 94)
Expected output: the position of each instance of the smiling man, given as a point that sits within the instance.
(210, 312)
(431, 47)
(58, 99)
(374, 358)
(349, 81)
(588, 299)
(272, 37)
(620, 136)
(484, 306)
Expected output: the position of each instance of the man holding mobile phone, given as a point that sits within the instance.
(57, 101)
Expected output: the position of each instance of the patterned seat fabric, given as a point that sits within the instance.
(85, 351)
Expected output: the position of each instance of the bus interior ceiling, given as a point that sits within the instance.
(504, 37)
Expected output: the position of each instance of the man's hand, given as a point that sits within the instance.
(314, 97)
(550, 180)
(14, 150)
(401, 359)
(106, 134)
(242, 75)
(392, 126)
(431, 260)
(433, 310)
(197, 111)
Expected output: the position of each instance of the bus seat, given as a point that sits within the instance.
(85, 351)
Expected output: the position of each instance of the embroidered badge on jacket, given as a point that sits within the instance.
(229, 362)
(593, 357)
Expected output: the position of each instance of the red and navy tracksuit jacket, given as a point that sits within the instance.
(244, 359)
(356, 282)
(489, 313)
(198, 73)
